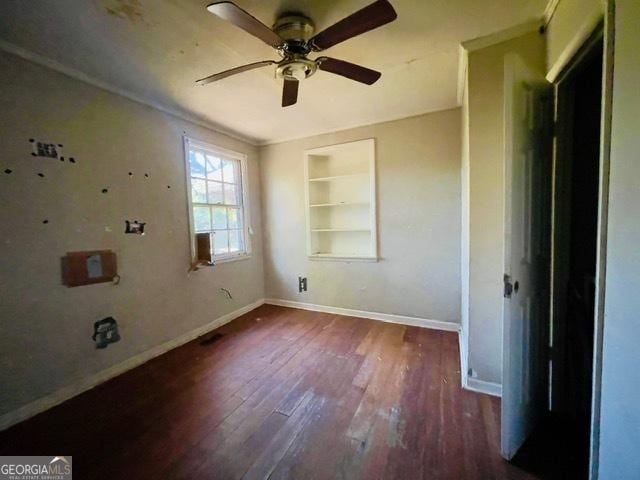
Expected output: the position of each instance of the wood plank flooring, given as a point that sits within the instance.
(282, 394)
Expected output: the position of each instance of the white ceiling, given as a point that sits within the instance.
(157, 48)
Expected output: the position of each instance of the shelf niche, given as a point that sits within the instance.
(340, 197)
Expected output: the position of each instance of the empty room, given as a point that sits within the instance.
(325, 239)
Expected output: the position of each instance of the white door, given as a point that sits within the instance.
(527, 212)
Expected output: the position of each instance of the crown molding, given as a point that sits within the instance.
(503, 35)
(392, 118)
(549, 11)
(463, 63)
(135, 97)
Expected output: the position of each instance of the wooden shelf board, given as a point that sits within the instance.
(343, 256)
(340, 230)
(338, 177)
(337, 204)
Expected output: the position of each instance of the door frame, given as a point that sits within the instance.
(605, 32)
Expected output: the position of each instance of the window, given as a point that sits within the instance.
(217, 198)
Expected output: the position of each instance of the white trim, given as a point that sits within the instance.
(70, 391)
(502, 35)
(463, 63)
(464, 358)
(341, 258)
(481, 386)
(581, 35)
(392, 118)
(383, 317)
(189, 142)
(83, 77)
(549, 10)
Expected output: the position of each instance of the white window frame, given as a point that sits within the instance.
(245, 207)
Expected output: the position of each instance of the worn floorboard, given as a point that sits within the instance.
(282, 394)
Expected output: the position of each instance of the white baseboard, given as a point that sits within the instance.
(384, 317)
(464, 359)
(70, 391)
(475, 385)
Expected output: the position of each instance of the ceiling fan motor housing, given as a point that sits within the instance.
(294, 26)
(296, 30)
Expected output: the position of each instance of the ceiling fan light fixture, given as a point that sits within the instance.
(296, 69)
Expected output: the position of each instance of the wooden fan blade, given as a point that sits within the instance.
(290, 92)
(348, 70)
(233, 71)
(240, 18)
(373, 16)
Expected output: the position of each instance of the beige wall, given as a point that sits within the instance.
(46, 328)
(620, 408)
(571, 24)
(418, 189)
(486, 197)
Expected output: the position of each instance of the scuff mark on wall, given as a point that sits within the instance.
(127, 9)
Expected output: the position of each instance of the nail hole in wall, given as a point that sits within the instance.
(7, 171)
(45, 221)
(105, 190)
(41, 175)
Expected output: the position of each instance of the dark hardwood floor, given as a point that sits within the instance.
(282, 393)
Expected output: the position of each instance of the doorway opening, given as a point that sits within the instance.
(576, 186)
(560, 445)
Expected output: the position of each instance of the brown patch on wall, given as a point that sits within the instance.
(127, 9)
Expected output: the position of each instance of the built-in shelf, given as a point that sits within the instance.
(347, 257)
(340, 177)
(338, 204)
(340, 230)
(340, 195)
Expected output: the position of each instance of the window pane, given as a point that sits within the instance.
(230, 197)
(219, 218)
(228, 171)
(221, 242)
(236, 241)
(196, 161)
(233, 214)
(198, 191)
(201, 219)
(214, 169)
(215, 192)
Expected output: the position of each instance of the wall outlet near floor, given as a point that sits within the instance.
(302, 284)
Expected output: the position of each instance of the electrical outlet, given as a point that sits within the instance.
(302, 284)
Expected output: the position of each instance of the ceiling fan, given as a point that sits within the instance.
(293, 38)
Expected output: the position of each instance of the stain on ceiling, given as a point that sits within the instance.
(158, 48)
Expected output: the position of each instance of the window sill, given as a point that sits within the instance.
(231, 259)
